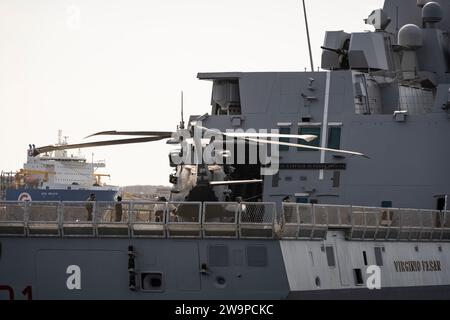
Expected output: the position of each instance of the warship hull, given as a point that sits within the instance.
(219, 252)
(41, 267)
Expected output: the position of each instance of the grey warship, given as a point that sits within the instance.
(321, 227)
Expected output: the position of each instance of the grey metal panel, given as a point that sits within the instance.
(185, 266)
(100, 273)
(42, 263)
(259, 103)
(433, 56)
(369, 51)
(301, 273)
(218, 256)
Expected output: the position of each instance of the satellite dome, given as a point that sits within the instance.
(410, 36)
(432, 12)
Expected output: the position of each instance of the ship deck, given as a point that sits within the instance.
(220, 220)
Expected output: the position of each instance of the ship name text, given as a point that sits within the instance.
(418, 266)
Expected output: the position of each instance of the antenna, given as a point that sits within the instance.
(60, 137)
(396, 18)
(182, 111)
(307, 34)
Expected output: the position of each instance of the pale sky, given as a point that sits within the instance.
(85, 66)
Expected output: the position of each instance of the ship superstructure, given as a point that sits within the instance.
(385, 94)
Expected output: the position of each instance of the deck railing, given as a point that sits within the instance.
(219, 220)
(304, 221)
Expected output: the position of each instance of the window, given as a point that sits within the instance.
(330, 257)
(378, 257)
(386, 204)
(334, 138)
(336, 179)
(441, 204)
(302, 200)
(276, 180)
(287, 140)
(359, 280)
(365, 258)
(312, 131)
(234, 110)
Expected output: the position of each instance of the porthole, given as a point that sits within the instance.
(221, 282)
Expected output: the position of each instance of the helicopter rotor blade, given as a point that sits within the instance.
(51, 148)
(226, 183)
(306, 147)
(306, 137)
(165, 134)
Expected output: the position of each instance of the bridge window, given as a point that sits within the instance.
(302, 200)
(334, 138)
(309, 130)
(386, 204)
(285, 130)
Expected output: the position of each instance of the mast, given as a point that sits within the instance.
(307, 35)
(182, 111)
